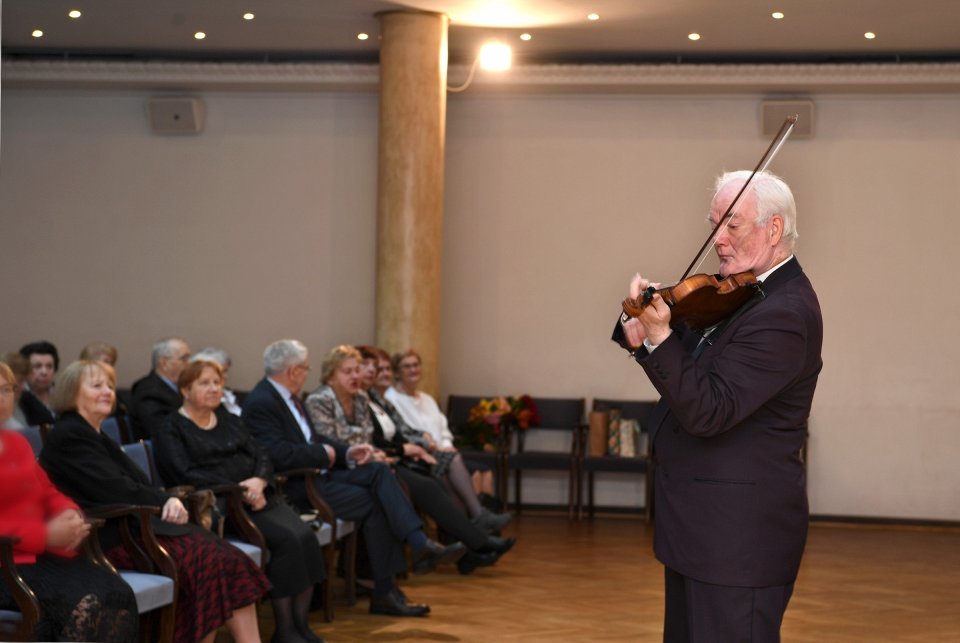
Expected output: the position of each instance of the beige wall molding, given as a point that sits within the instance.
(351, 77)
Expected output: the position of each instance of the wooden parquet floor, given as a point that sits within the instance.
(598, 581)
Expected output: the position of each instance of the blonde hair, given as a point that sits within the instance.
(6, 374)
(94, 351)
(337, 356)
(64, 396)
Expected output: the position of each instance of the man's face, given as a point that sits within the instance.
(744, 245)
(41, 372)
(174, 365)
(298, 376)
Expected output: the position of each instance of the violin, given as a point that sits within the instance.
(701, 301)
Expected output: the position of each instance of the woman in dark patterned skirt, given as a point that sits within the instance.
(79, 601)
(204, 445)
(218, 584)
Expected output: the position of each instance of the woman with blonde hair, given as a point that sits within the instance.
(79, 601)
(218, 584)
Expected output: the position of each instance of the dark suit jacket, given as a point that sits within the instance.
(153, 401)
(267, 416)
(93, 470)
(730, 486)
(35, 412)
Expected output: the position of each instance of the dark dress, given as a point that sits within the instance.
(214, 577)
(79, 601)
(187, 454)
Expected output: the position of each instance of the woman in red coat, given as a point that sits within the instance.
(78, 600)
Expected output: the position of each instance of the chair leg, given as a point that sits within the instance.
(590, 492)
(517, 486)
(329, 554)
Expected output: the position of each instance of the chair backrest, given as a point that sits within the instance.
(111, 428)
(629, 409)
(140, 453)
(459, 406)
(34, 437)
(562, 413)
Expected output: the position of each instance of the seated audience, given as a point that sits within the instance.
(420, 410)
(203, 446)
(221, 357)
(79, 601)
(20, 368)
(100, 352)
(355, 487)
(218, 584)
(155, 396)
(340, 410)
(394, 436)
(35, 398)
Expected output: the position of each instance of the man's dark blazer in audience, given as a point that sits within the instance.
(153, 400)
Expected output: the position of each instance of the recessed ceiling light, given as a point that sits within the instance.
(248, 16)
(37, 33)
(777, 15)
(869, 35)
(593, 16)
(525, 36)
(199, 35)
(694, 36)
(495, 56)
(362, 36)
(74, 14)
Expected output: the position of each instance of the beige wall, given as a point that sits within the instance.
(552, 202)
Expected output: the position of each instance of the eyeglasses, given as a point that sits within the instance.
(304, 367)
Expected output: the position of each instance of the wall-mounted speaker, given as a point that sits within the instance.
(773, 113)
(176, 114)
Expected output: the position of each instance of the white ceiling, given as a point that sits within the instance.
(628, 30)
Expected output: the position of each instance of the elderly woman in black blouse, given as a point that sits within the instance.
(218, 584)
(341, 410)
(204, 445)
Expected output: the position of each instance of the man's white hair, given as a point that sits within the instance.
(773, 196)
(282, 354)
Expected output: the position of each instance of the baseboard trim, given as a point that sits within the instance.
(881, 521)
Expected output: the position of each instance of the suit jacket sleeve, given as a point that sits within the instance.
(267, 419)
(765, 352)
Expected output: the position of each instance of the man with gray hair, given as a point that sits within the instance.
(731, 424)
(354, 485)
(156, 395)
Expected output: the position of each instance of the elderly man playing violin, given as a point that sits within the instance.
(727, 434)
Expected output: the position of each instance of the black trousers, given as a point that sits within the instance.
(370, 496)
(296, 559)
(431, 497)
(699, 612)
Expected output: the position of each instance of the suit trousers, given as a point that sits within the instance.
(430, 496)
(699, 612)
(371, 496)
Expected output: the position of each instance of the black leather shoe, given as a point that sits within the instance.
(436, 554)
(392, 604)
(498, 546)
(489, 521)
(406, 601)
(474, 559)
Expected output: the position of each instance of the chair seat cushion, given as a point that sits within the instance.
(254, 552)
(151, 590)
(615, 464)
(9, 616)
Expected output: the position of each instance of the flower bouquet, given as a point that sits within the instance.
(491, 418)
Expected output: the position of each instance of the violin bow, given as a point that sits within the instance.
(765, 161)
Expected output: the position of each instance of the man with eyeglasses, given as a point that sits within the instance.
(156, 395)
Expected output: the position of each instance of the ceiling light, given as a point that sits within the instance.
(74, 14)
(525, 36)
(869, 35)
(777, 15)
(37, 33)
(694, 36)
(199, 35)
(495, 56)
(593, 16)
(362, 36)
(248, 16)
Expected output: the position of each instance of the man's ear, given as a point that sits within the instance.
(775, 229)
